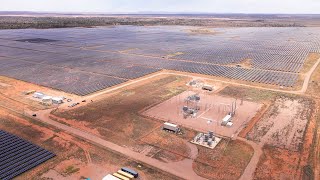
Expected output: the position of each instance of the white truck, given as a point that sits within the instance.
(171, 127)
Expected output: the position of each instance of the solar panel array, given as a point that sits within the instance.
(18, 155)
(86, 60)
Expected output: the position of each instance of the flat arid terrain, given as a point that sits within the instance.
(18, 20)
(168, 102)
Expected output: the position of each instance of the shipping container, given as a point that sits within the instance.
(125, 174)
(170, 127)
(120, 176)
(130, 171)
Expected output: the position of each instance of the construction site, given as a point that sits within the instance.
(108, 103)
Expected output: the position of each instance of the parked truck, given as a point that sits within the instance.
(207, 88)
(171, 127)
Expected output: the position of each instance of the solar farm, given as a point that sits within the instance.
(85, 60)
(159, 102)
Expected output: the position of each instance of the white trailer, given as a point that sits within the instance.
(47, 100)
(38, 95)
(170, 127)
(57, 100)
(229, 124)
(226, 119)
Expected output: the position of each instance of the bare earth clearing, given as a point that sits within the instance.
(284, 124)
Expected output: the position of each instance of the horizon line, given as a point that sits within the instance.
(157, 13)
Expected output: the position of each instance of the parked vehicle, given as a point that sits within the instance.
(120, 176)
(125, 174)
(170, 127)
(207, 88)
(73, 105)
(130, 171)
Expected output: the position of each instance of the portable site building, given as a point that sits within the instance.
(226, 119)
(38, 95)
(57, 100)
(46, 98)
(229, 124)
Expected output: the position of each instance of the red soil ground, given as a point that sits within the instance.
(227, 161)
(212, 107)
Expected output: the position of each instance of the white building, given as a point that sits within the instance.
(226, 119)
(47, 100)
(57, 100)
(38, 95)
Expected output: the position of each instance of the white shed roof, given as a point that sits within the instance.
(57, 98)
(46, 98)
(227, 118)
(169, 124)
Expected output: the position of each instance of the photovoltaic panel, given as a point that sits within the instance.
(18, 155)
(86, 60)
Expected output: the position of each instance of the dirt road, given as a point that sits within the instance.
(306, 82)
(251, 167)
(308, 77)
(181, 169)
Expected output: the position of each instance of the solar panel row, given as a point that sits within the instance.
(18, 155)
(83, 61)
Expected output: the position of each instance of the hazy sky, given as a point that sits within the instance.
(211, 6)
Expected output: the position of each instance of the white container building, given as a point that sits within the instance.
(38, 95)
(170, 127)
(57, 100)
(226, 119)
